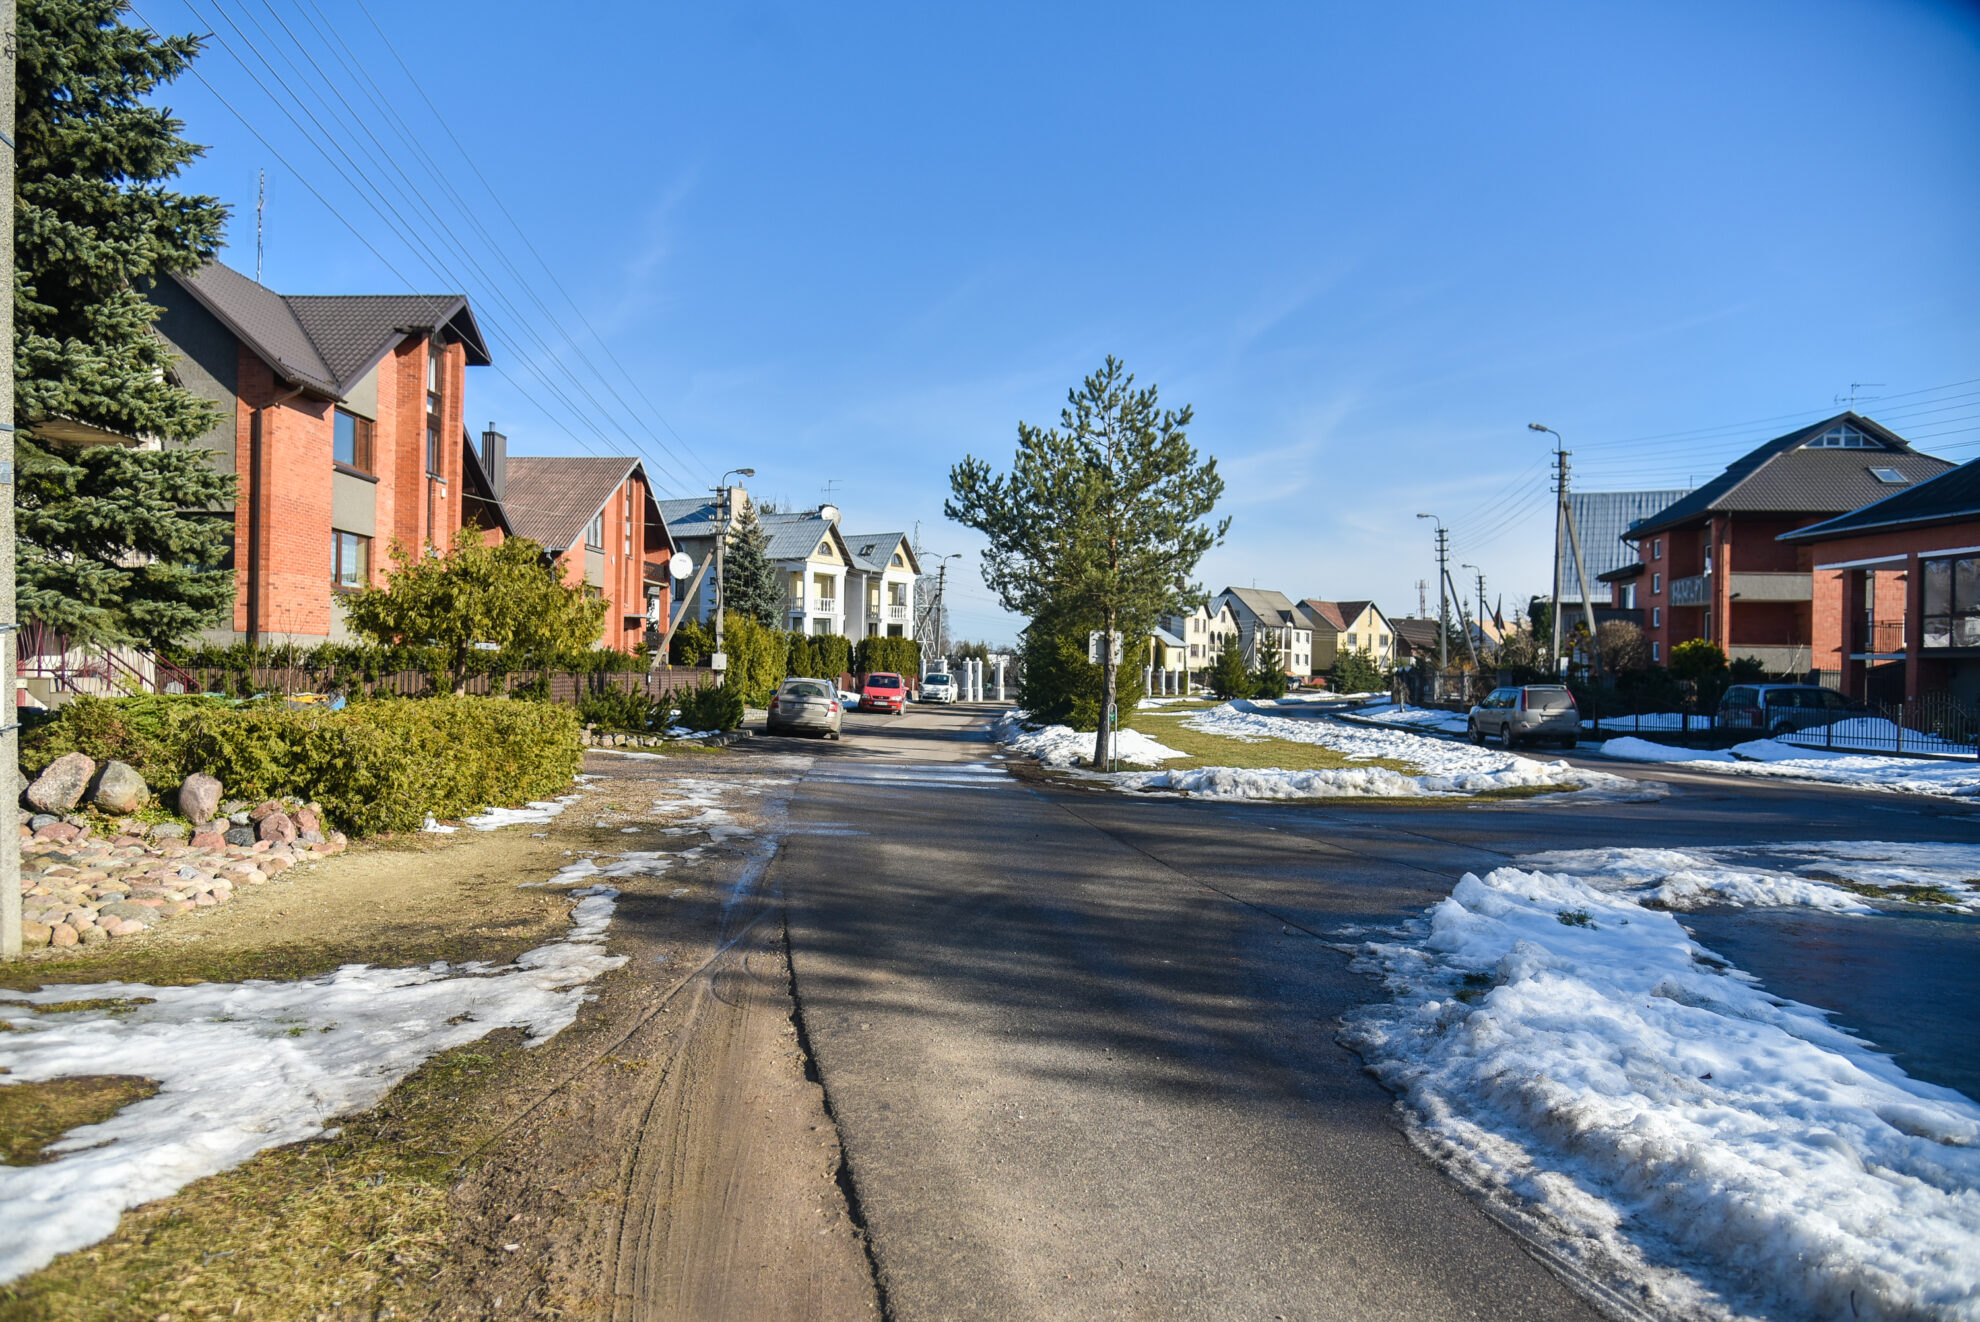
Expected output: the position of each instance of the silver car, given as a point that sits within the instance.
(938, 688)
(1530, 712)
(805, 706)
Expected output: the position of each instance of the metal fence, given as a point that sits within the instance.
(1930, 725)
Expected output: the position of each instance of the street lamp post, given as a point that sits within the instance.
(720, 661)
(1564, 518)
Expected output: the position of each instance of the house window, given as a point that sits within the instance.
(350, 560)
(1656, 651)
(1656, 617)
(1656, 582)
(629, 528)
(351, 445)
(435, 406)
(1843, 437)
(1952, 602)
(1656, 548)
(1890, 477)
(594, 532)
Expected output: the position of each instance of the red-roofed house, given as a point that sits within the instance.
(599, 524)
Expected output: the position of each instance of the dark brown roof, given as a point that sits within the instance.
(1951, 497)
(1416, 633)
(1325, 612)
(478, 493)
(1781, 477)
(327, 342)
(550, 499)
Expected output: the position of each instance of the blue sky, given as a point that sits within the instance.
(1368, 243)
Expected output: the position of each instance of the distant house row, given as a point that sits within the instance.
(1308, 636)
(344, 420)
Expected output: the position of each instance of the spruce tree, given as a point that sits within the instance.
(1268, 676)
(114, 544)
(751, 584)
(1100, 519)
(1228, 676)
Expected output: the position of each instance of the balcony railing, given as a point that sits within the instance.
(797, 604)
(1697, 589)
(1693, 591)
(825, 606)
(1877, 638)
(897, 614)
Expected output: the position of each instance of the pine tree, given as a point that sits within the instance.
(115, 545)
(1358, 672)
(1228, 676)
(1099, 520)
(751, 584)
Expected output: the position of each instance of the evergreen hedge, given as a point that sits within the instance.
(378, 765)
(899, 656)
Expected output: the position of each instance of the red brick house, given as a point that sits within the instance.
(1897, 591)
(344, 422)
(598, 522)
(1715, 565)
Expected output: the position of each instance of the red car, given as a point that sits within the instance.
(883, 692)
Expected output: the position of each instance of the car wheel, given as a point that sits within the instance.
(1570, 741)
(1477, 735)
(1506, 740)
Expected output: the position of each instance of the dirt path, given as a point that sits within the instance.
(678, 1161)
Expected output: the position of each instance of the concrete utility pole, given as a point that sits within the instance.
(1443, 599)
(1480, 574)
(1564, 519)
(10, 726)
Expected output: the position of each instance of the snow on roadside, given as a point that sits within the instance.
(1660, 1118)
(1771, 758)
(243, 1067)
(1416, 718)
(1063, 746)
(1446, 768)
(1794, 874)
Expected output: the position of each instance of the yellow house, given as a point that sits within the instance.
(1348, 626)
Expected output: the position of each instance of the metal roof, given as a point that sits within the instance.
(1265, 604)
(551, 498)
(873, 551)
(1602, 517)
(327, 342)
(1781, 477)
(1951, 497)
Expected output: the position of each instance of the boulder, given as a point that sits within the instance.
(58, 831)
(35, 935)
(209, 840)
(266, 809)
(240, 835)
(41, 819)
(60, 786)
(130, 911)
(278, 828)
(238, 818)
(199, 797)
(62, 935)
(119, 788)
(307, 821)
(168, 831)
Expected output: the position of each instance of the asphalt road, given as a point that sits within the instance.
(1080, 1046)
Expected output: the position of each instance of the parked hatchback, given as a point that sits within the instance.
(938, 688)
(805, 706)
(1785, 708)
(881, 691)
(1528, 712)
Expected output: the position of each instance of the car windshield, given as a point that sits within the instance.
(936, 679)
(808, 689)
(883, 681)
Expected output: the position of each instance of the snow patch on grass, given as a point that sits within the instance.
(1063, 746)
(243, 1067)
(1770, 757)
(1662, 1119)
(1836, 875)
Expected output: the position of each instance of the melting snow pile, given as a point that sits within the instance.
(1779, 875)
(1658, 1116)
(1416, 718)
(1770, 757)
(1445, 768)
(243, 1067)
(1063, 746)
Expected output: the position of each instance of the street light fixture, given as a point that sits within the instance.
(720, 660)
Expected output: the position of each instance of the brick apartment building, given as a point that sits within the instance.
(344, 422)
(1715, 565)
(1897, 592)
(598, 521)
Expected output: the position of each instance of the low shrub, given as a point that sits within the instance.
(711, 707)
(617, 709)
(378, 765)
(899, 656)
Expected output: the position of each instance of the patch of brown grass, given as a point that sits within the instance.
(33, 1115)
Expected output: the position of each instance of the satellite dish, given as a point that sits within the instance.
(681, 565)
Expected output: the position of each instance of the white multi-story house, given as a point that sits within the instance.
(1271, 615)
(829, 587)
(880, 585)
(1202, 633)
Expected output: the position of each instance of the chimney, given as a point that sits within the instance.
(495, 461)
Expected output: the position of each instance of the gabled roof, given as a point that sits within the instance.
(478, 492)
(327, 342)
(1416, 631)
(690, 516)
(1272, 607)
(1951, 497)
(1603, 518)
(1782, 477)
(551, 498)
(796, 536)
(1323, 614)
(874, 551)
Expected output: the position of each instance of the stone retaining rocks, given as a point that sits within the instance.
(199, 797)
(119, 788)
(60, 787)
(81, 889)
(277, 828)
